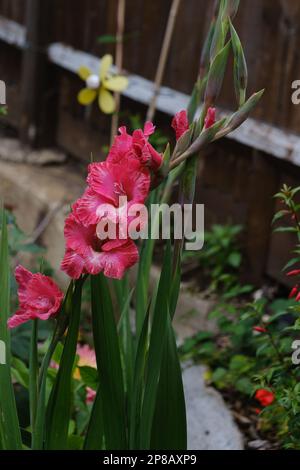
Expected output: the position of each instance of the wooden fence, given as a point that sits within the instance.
(43, 42)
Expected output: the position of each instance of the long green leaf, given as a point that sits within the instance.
(169, 424)
(156, 348)
(136, 399)
(216, 75)
(144, 270)
(9, 423)
(108, 357)
(38, 433)
(95, 431)
(126, 345)
(33, 374)
(59, 405)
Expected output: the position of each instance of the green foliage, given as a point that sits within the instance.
(9, 424)
(60, 400)
(18, 241)
(108, 356)
(245, 360)
(3, 110)
(220, 260)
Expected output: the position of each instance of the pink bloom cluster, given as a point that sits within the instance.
(180, 122)
(126, 172)
(39, 297)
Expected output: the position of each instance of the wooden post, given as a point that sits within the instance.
(119, 64)
(37, 82)
(163, 58)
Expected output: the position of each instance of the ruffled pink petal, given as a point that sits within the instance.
(144, 151)
(135, 181)
(44, 296)
(34, 312)
(23, 276)
(88, 207)
(73, 264)
(156, 158)
(78, 237)
(116, 261)
(180, 123)
(113, 260)
(39, 297)
(121, 146)
(119, 180)
(101, 179)
(93, 262)
(43, 286)
(81, 243)
(126, 148)
(149, 129)
(17, 319)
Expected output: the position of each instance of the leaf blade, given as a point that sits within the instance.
(59, 405)
(9, 423)
(106, 343)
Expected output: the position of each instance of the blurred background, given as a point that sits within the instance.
(51, 137)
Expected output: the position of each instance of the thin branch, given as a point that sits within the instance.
(119, 63)
(163, 58)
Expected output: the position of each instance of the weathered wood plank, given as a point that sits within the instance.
(12, 33)
(260, 136)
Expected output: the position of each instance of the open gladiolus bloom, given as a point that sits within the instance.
(39, 297)
(125, 173)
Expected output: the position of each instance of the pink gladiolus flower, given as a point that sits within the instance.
(136, 147)
(210, 118)
(180, 123)
(108, 182)
(86, 253)
(87, 356)
(39, 297)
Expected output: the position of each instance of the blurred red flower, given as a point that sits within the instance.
(259, 329)
(265, 397)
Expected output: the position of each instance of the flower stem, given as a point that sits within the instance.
(33, 374)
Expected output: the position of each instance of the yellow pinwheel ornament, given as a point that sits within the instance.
(100, 86)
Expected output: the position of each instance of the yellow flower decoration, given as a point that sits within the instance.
(101, 86)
